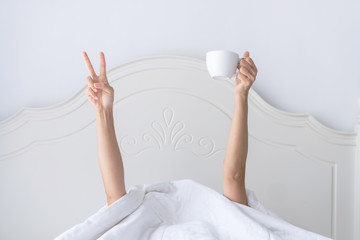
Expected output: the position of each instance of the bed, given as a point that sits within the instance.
(172, 121)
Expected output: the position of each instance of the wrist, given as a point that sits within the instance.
(104, 113)
(241, 96)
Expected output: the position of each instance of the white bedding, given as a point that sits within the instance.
(183, 209)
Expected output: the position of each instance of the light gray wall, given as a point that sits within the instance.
(307, 52)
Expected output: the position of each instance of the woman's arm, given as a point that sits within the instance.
(236, 153)
(101, 96)
(110, 161)
(237, 145)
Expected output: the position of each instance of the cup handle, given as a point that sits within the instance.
(239, 60)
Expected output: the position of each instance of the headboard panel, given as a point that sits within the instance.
(172, 121)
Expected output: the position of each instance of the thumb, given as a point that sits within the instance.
(246, 54)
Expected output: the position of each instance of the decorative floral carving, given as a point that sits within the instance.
(168, 134)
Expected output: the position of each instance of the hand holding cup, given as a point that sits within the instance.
(246, 75)
(222, 65)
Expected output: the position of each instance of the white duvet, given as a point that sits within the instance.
(183, 209)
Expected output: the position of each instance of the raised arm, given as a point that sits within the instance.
(101, 96)
(237, 145)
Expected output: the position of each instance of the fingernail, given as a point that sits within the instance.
(95, 90)
(97, 84)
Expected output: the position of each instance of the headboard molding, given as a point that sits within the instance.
(28, 114)
(164, 131)
(170, 113)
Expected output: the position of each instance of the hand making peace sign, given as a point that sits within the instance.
(99, 92)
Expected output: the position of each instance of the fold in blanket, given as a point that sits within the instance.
(184, 209)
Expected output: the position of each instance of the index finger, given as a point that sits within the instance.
(102, 64)
(89, 65)
(250, 67)
(251, 62)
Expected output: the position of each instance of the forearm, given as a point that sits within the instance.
(109, 156)
(237, 145)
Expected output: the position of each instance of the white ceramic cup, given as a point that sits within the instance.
(222, 64)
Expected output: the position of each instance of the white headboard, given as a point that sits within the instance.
(172, 121)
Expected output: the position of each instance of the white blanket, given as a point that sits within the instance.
(183, 209)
